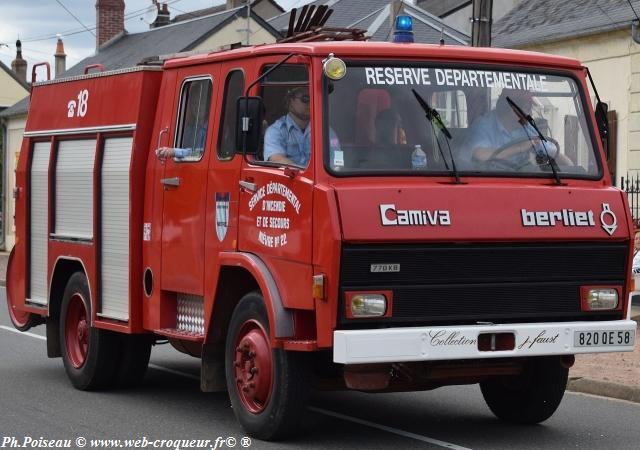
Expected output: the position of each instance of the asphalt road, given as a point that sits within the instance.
(37, 400)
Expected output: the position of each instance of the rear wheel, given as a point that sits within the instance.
(21, 320)
(88, 354)
(530, 397)
(268, 388)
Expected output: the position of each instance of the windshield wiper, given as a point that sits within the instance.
(434, 119)
(522, 118)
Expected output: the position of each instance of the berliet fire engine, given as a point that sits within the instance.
(358, 269)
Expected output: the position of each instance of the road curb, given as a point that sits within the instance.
(605, 389)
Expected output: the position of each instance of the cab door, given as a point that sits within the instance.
(185, 182)
(276, 202)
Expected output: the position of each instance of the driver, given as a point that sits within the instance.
(499, 127)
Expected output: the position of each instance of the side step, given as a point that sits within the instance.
(180, 334)
(189, 319)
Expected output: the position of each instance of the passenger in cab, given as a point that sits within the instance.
(288, 139)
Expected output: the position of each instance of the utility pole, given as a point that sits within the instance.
(481, 23)
(248, 22)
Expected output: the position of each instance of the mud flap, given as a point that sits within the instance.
(212, 374)
(53, 338)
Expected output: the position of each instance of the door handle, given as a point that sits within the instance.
(170, 181)
(165, 130)
(248, 185)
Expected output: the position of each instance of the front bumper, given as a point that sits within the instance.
(461, 342)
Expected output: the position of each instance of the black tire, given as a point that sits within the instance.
(135, 351)
(275, 415)
(531, 397)
(94, 367)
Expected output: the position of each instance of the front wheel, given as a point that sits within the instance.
(528, 398)
(268, 388)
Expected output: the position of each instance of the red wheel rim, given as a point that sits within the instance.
(19, 318)
(76, 331)
(253, 366)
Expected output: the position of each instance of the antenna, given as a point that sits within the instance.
(150, 14)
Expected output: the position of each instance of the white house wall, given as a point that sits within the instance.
(229, 34)
(10, 90)
(614, 61)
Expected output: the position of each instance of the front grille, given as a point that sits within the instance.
(484, 282)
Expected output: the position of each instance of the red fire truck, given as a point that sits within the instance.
(372, 216)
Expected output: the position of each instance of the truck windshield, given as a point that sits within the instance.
(477, 120)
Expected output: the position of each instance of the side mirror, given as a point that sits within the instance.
(601, 118)
(249, 124)
(603, 125)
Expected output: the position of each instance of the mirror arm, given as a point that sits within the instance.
(593, 85)
(603, 126)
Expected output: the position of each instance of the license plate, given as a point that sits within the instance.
(602, 338)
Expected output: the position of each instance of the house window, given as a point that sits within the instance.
(193, 119)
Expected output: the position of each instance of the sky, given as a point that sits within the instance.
(37, 22)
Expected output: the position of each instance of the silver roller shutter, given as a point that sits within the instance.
(38, 226)
(115, 228)
(74, 189)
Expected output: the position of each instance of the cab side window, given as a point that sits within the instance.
(287, 103)
(193, 119)
(233, 88)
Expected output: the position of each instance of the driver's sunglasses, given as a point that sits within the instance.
(304, 98)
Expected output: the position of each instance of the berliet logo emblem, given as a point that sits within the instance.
(608, 219)
(571, 218)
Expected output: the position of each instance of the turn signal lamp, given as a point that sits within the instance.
(366, 305)
(599, 299)
(403, 29)
(334, 68)
(318, 287)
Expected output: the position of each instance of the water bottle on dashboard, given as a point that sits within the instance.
(418, 158)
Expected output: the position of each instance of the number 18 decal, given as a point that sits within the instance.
(79, 108)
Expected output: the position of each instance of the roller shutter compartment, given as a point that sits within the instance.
(74, 189)
(115, 228)
(38, 226)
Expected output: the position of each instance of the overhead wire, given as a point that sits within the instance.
(59, 2)
(74, 31)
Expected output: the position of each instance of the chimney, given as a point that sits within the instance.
(163, 15)
(109, 20)
(19, 65)
(61, 58)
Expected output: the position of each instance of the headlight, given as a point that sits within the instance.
(599, 299)
(334, 68)
(367, 305)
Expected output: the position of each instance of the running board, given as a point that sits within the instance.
(180, 334)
